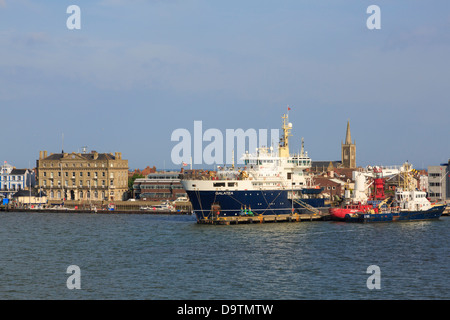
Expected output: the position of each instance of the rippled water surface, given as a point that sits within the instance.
(172, 257)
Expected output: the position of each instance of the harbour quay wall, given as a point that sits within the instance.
(102, 207)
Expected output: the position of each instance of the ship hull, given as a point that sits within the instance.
(431, 214)
(209, 204)
(340, 213)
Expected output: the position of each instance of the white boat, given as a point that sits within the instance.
(163, 207)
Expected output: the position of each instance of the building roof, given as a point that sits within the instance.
(18, 171)
(86, 156)
(26, 193)
(315, 165)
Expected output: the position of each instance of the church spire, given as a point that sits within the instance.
(348, 150)
(348, 136)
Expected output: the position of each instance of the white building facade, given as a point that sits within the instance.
(13, 180)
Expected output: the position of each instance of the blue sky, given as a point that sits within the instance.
(137, 70)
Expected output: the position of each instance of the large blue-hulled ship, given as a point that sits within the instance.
(269, 183)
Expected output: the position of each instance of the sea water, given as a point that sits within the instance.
(145, 256)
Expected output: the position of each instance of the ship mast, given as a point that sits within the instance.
(283, 149)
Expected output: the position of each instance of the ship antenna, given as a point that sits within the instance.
(232, 158)
(303, 147)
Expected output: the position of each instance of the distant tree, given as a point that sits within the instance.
(131, 180)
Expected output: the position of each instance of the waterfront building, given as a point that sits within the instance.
(30, 198)
(159, 186)
(439, 182)
(82, 176)
(348, 150)
(13, 180)
(332, 187)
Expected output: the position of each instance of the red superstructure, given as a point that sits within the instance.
(339, 213)
(378, 182)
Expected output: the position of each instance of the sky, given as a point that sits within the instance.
(137, 70)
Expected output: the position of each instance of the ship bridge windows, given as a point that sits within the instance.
(232, 184)
(218, 184)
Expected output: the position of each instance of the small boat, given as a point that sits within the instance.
(163, 207)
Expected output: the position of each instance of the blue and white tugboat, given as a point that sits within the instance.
(270, 183)
(408, 204)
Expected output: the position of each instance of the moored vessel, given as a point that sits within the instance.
(406, 205)
(269, 183)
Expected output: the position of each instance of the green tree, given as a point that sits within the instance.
(131, 180)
